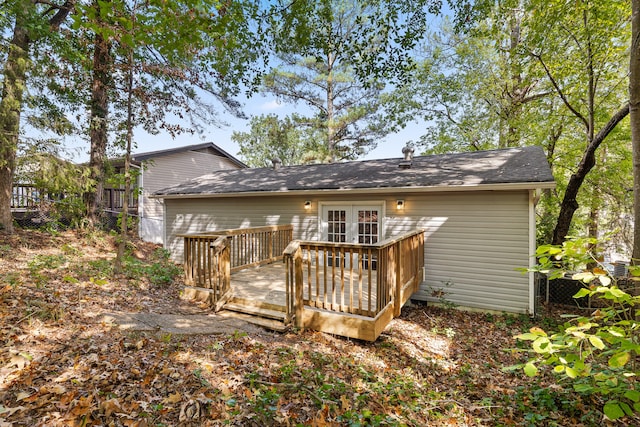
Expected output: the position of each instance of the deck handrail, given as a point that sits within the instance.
(113, 199)
(24, 196)
(210, 257)
(252, 246)
(292, 257)
(357, 279)
(208, 270)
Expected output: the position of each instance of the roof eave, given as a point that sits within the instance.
(378, 190)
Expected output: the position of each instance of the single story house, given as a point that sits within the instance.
(477, 211)
(163, 168)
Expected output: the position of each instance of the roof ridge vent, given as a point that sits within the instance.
(277, 163)
(407, 151)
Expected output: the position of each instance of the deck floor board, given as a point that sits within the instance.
(267, 283)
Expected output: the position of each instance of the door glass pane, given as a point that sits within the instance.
(367, 226)
(337, 227)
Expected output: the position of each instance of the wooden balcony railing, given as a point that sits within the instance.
(210, 258)
(347, 289)
(366, 284)
(28, 196)
(251, 247)
(113, 200)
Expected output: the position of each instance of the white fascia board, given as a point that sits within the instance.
(350, 191)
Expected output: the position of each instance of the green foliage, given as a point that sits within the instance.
(293, 139)
(159, 270)
(441, 294)
(596, 353)
(60, 185)
(318, 54)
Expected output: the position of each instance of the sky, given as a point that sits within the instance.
(389, 147)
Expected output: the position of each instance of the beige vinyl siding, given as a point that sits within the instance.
(185, 216)
(474, 244)
(474, 240)
(168, 170)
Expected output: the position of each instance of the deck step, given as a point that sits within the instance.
(271, 324)
(255, 311)
(249, 303)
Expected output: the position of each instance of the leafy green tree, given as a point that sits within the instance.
(320, 72)
(290, 139)
(336, 57)
(634, 116)
(592, 34)
(475, 90)
(204, 48)
(31, 21)
(534, 72)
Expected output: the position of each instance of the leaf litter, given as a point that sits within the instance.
(61, 366)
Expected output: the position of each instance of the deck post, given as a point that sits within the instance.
(298, 287)
(398, 297)
(188, 277)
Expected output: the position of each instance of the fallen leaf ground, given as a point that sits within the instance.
(61, 366)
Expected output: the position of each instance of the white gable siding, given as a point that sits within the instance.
(165, 171)
(474, 240)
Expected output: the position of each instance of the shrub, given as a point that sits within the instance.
(596, 353)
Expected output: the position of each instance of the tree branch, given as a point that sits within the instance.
(560, 92)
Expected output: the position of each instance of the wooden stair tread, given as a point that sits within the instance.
(255, 304)
(255, 311)
(271, 324)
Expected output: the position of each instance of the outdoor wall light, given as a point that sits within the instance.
(307, 205)
(400, 204)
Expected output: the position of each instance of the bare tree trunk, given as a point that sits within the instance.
(634, 116)
(10, 107)
(127, 165)
(569, 202)
(331, 131)
(98, 126)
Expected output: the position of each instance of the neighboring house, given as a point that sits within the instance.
(477, 210)
(163, 168)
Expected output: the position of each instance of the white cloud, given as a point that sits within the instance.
(271, 105)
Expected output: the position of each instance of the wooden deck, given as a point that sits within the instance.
(353, 290)
(267, 284)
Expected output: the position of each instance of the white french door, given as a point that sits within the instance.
(352, 223)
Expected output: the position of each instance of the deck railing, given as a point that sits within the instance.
(209, 258)
(207, 268)
(113, 200)
(28, 196)
(361, 280)
(251, 247)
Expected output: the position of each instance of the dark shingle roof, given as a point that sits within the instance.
(526, 165)
(158, 153)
